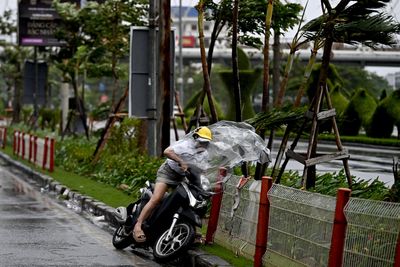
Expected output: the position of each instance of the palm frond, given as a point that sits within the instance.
(276, 118)
(364, 7)
(371, 30)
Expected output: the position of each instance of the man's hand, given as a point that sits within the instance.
(183, 166)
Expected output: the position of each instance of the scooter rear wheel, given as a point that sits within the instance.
(182, 236)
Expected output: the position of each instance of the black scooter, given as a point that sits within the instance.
(170, 230)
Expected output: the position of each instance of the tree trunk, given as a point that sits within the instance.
(214, 36)
(17, 97)
(79, 107)
(116, 80)
(307, 74)
(268, 19)
(206, 76)
(110, 122)
(260, 168)
(235, 70)
(285, 79)
(276, 74)
(323, 75)
(165, 70)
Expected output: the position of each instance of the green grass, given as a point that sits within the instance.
(105, 193)
(228, 255)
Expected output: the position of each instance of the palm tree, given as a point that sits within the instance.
(357, 23)
(360, 22)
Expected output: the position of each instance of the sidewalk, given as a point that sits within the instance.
(196, 257)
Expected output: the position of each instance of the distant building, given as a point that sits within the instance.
(394, 80)
(190, 33)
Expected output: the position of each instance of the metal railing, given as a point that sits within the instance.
(309, 229)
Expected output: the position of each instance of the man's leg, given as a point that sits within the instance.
(158, 194)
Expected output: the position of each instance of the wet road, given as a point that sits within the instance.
(36, 230)
(366, 162)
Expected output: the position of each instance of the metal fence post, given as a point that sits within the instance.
(339, 229)
(216, 201)
(263, 221)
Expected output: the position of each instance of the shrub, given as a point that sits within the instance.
(381, 125)
(121, 162)
(329, 183)
(392, 105)
(339, 101)
(191, 106)
(358, 112)
(101, 112)
(49, 118)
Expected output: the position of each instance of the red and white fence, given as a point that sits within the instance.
(3, 136)
(282, 226)
(37, 150)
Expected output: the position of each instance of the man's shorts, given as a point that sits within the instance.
(168, 176)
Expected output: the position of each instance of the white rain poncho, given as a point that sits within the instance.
(233, 143)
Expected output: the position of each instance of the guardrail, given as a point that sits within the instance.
(282, 226)
(37, 150)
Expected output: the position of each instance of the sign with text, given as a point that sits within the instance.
(38, 22)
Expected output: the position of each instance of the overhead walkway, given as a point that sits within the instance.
(362, 57)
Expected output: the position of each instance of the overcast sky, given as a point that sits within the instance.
(313, 10)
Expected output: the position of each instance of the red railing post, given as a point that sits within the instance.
(51, 165)
(5, 137)
(339, 229)
(263, 221)
(14, 142)
(216, 201)
(397, 253)
(45, 153)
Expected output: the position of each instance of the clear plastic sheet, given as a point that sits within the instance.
(233, 143)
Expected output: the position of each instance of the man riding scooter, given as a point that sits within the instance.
(172, 172)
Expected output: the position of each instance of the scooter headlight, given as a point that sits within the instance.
(205, 183)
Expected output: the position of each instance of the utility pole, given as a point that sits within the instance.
(152, 143)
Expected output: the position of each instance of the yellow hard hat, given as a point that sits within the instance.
(203, 133)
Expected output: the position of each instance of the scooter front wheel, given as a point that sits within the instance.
(182, 236)
(122, 239)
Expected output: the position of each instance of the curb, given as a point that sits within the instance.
(197, 257)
